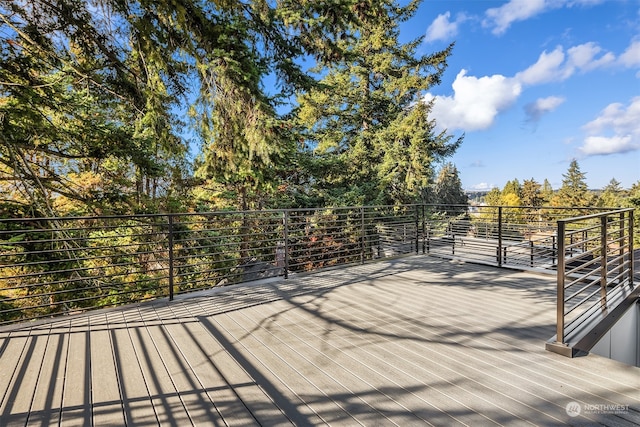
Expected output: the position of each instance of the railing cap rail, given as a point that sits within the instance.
(281, 210)
(596, 215)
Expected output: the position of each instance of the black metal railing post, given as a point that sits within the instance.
(417, 229)
(499, 250)
(363, 233)
(285, 226)
(424, 235)
(622, 238)
(428, 230)
(531, 253)
(453, 240)
(560, 284)
(631, 254)
(171, 257)
(603, 264)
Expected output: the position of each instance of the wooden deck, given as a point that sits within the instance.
(415, 341)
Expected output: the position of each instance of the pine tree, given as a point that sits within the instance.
(78, 101)
(547, 191)
(116, 78)
(531, 193)
(493, 197)
(448, 189)
(574, 191)
(612, 195)
(512, 187)
(368, 132)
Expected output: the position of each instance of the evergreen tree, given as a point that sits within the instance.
(95, 87)
(512, 187)
(547, 191)
(574, 191)
(493, 197)
(448, 188)
(612, 195)
(367, 129)
(68, 110)
(531, 193)
(634, 194)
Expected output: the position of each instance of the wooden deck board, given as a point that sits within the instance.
(12, 358)
(274, 366)
(136, 398)
(106, 398)
(337, 373)
(169, 409)
(204, 357)
(314, 388)
(188, 390)
(76, 399)
(415, 341)
(47, 398)
(381, 375)
(25, 381)
(405, 358)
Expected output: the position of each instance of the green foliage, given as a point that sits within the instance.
(512, 187)
(493, 197)
(367, 130)
(83, 95)
(612, 195)
(96, 97)
(447, 190)
(574, 191)
(531, 193)
(547, 191)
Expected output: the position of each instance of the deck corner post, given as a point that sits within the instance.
(631, 257)
(560, 284)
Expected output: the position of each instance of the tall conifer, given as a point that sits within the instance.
(366, 125)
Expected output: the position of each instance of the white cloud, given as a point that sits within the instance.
(483, 186)
(631, 56)
(548, 68)
(541, 106)
(584, 2)
(584, 57)
(442, 28)
(475, 102)
(501, 18)
(601, 145)
(615, 130)
(556, 66)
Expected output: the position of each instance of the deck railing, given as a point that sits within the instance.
(53, 266)
(595, 282)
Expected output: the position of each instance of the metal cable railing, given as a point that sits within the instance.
(594, 276)
(54, 266)
(505, 236)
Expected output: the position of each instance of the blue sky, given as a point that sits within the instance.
(534, 84)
